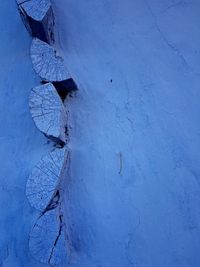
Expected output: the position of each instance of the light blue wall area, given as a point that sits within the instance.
(146, 119)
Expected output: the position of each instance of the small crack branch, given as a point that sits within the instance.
(165, 40)
(53, 203)
(57, 238)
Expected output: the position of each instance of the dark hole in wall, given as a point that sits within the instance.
(37, 29)
(65, 87)
(51, 36)
(57, 141)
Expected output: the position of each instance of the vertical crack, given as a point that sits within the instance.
(165, 40)
(57, 238)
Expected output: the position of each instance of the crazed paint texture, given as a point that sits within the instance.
(48, 112)
(45, 62)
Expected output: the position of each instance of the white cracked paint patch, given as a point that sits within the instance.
(47, 241)
(43, 182)
(46, 63)
(37, 9)
(48, 112)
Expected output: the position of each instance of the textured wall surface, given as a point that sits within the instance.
(134, 195)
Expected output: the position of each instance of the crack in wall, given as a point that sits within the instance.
(57, 238)
(172, 47)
